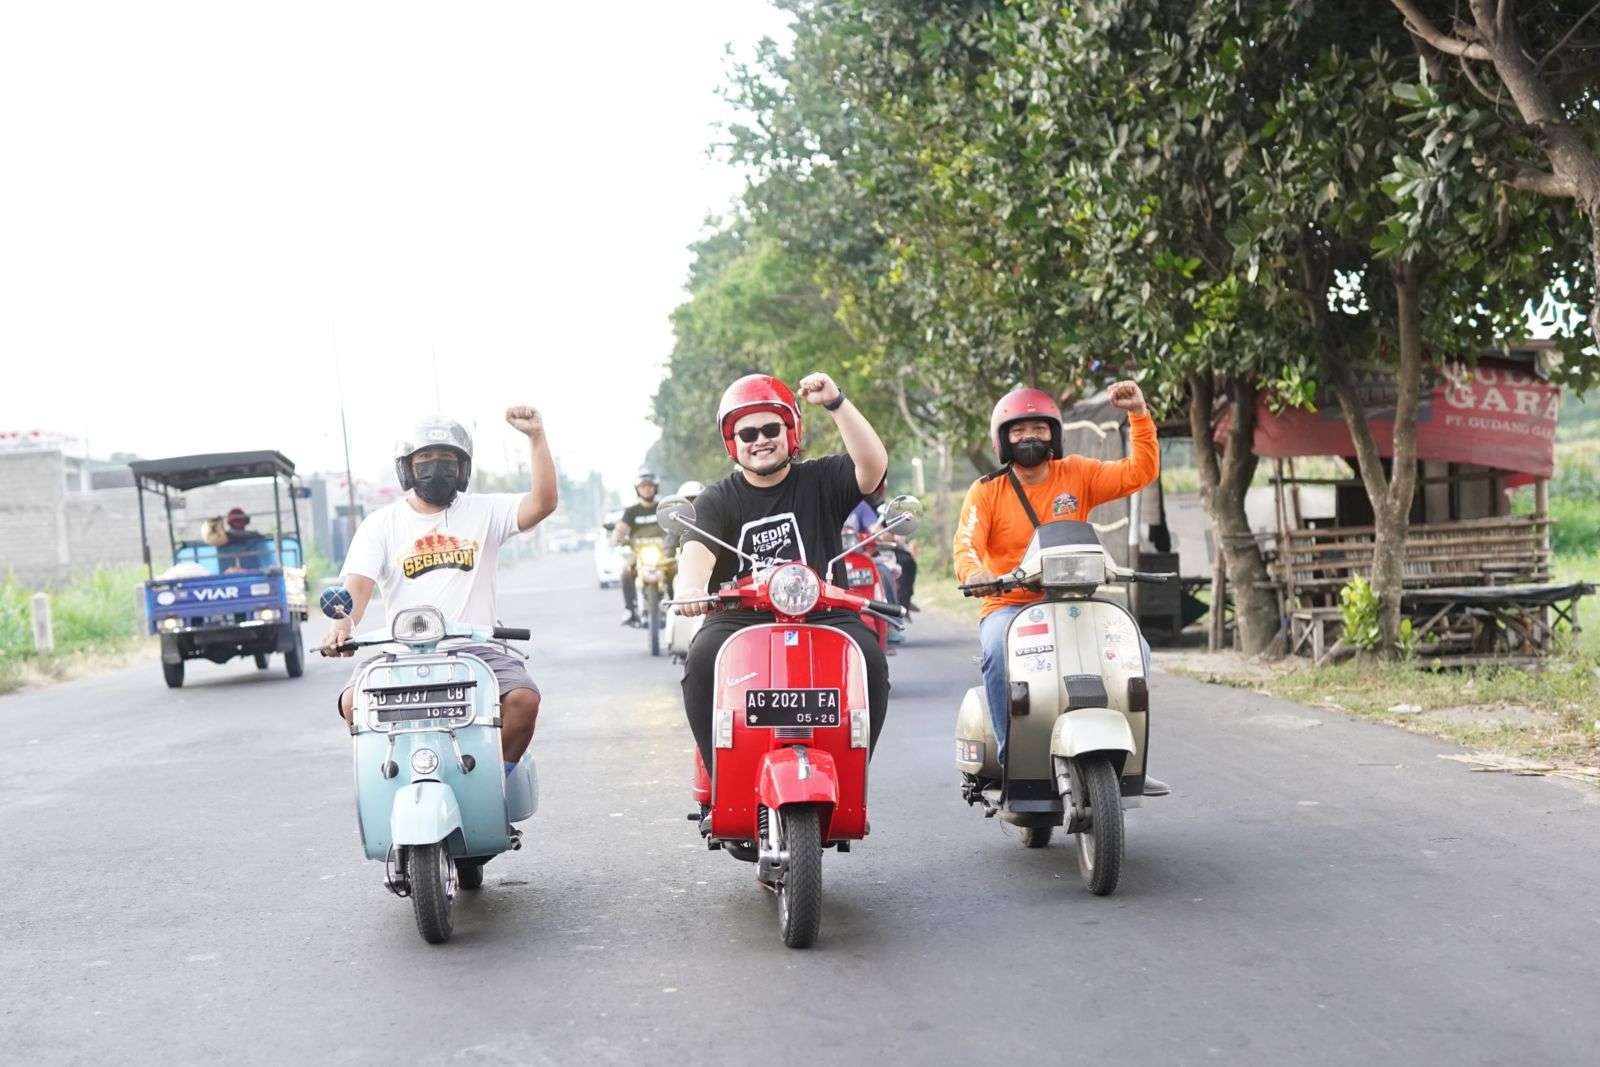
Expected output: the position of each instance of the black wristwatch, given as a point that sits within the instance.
(835, 403)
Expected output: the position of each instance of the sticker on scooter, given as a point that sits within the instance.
(1034, 650)
(1037, 614)
(791, 638)
(969, 751)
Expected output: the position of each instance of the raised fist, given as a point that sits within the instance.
(525, 420)
(1127, 396)
(818, 389)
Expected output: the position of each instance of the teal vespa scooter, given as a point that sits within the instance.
(432, 799)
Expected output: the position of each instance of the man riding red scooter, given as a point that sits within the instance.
(785, 687)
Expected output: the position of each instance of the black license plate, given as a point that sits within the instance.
(791, 707)
(413, 702)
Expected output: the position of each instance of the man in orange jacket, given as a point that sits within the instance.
(994, 528)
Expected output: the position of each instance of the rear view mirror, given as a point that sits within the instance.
(337, 603)
(674, 514)
(901, 514)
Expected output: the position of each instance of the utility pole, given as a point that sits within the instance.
(344, 433)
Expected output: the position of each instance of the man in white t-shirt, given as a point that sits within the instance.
(439, 545)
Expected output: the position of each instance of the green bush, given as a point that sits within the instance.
(94, 610)
(1576, 529)
(1358, 605)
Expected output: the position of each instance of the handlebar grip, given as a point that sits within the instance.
(347, 646)
(981, 589)
(892, 610)
(513, 633)
(1153, 576)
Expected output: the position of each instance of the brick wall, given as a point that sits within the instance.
(33, 541)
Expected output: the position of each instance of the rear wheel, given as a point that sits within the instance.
(173, 673)
(1100, 846)
(294, 659)
(800, 892)
(469, 873)
(1036, 836)
(433, 889)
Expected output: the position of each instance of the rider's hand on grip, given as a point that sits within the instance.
(336, 642)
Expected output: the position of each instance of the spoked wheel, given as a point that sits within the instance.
(653, 620)
(1100, 846)
(1036, 836)
(469, 873)
(433, 889)
(800, 892)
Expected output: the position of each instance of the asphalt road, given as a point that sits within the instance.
(180, 881)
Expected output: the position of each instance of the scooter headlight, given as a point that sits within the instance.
(418, 626)
(649, 556)
(1075, 569)
(794, 589)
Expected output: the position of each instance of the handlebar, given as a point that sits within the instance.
(894, 611)
(1159, 577)
(512, 633)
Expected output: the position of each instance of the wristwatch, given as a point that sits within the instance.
(834, 404)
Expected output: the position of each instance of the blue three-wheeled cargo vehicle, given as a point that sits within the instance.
(234, 591)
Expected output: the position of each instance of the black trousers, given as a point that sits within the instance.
(908, 574)
(699, 679)
(630, 595)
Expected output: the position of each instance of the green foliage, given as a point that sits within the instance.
(1358, 607)
(95, 610)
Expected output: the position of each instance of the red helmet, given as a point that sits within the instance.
(758, 392)
(1022, 404)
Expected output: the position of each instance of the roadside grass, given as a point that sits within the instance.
(95, 623)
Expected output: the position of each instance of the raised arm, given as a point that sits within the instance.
(540, 500)
(1110, 480)
(860, 439)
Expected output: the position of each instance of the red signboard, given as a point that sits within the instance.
(1492, 414)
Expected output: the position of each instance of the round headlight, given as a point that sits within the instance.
(424, 761)
(649, 555)
(794, 589)
(418, 626)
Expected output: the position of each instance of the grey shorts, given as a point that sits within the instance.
(510, 671)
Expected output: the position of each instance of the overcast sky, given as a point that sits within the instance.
(204, 202)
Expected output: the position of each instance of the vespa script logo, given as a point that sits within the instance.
(230, 592)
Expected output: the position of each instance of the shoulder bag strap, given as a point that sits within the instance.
(1027, 507)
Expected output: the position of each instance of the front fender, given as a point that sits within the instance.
(1090, 730)
(424, 813)
(797, 775)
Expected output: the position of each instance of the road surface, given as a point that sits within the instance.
(182, 883)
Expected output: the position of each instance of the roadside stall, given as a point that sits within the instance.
(1476, 575)
(228, 593)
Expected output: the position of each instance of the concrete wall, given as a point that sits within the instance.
(48, 533)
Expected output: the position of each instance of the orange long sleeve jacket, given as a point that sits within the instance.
(994, 531)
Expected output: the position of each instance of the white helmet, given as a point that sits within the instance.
(690, 489)
(437, 432)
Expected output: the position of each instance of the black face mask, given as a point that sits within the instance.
(1030, 452)
(436, 481)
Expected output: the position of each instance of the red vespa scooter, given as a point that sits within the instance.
(862, 579)
(790, 734)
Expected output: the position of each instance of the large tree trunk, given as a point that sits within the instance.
(1224, 480)
(1391, 494)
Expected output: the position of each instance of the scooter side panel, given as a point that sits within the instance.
(975, 736)
(480, 794)
(786, 656)
(1107, 644)
(1032, 652)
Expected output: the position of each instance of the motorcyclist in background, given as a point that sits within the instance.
(638, 524)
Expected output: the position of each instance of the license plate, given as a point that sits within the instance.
(791, 707)
(413, 702)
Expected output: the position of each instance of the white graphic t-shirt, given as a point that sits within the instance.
(446, 560)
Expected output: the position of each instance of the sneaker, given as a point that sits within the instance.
(630, 618)
(1155, 787)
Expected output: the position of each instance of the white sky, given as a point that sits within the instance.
(198, 196)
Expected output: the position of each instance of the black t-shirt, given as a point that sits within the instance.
(641, 521)
(797, 519)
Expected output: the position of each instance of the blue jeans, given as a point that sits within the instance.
(992, 629)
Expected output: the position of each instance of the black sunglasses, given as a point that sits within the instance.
(750, 434)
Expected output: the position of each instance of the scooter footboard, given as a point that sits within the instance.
(799, 775)
(423, 813)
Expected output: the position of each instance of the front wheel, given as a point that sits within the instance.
(1100, 846)
(653, 620)
(173, 673)
(433, 889)
(294, 659)
(800, 892)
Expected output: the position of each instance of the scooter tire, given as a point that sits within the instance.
(800, 892)
(432, 878)
(653, 620)
(1100, 847)
(1036, 836)
(469, 873)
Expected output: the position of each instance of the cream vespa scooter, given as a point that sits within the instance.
(1078, 705)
